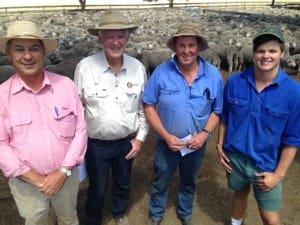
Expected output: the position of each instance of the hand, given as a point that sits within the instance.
(136, 148)
(53, 183)
(267, 181)
(34, 178)
(174, 144)
(224, 159)
(197, 141)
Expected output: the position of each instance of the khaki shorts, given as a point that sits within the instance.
(244, 173)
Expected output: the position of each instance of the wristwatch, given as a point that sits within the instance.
(65, 171)
(207, 132)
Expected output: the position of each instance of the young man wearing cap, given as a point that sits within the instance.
(110, 85)
(188, 92)
(260, 129)
(42, 134)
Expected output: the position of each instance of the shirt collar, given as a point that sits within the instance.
(18, 84)
(106, 67)
(249, 75)
(174, 60)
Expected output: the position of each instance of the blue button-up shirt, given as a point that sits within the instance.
(184, 109)
(259, 124)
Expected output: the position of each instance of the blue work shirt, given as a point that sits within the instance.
(260, 124)
(184, 109)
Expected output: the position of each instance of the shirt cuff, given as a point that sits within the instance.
(141, 135)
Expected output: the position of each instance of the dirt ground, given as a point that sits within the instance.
(212, 201)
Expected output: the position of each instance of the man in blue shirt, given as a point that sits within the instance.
(260, 129)
(187, 92)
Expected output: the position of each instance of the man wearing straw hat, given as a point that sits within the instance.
(110, 85)
(188, 92)
(42, 130)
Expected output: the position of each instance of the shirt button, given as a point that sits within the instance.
(254, 110)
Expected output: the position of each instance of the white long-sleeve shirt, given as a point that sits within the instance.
(113, 107)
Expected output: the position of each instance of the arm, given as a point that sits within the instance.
(143, 127)
(140, 137)
(221, 139)
(199, 139)
(10, 164)
(289, 142)
(153, 118)
(270, 180)
(75, 154)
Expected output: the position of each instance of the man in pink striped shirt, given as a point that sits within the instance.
(42, 130)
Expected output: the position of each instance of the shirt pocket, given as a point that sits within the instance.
(169, 91)
(170, 97)
(65, 120)
(133, 98)
(96, 94)
(273, 120)
(20, 125)
(238, 106)
(201, 102)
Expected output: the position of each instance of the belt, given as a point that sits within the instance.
(132, 135)
(129, 136)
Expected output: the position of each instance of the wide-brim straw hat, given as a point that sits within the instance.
(112, 20)
(188, 29)
(24, 29)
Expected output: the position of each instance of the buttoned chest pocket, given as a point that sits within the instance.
(238, 106)
(273, 120)
(95, 98)
(95, 95)
(201, 102)
(20, 125)
(206, 107)
(133, 98)
(170, 97)
(65, 120)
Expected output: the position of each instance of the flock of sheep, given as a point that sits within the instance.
(229, 34)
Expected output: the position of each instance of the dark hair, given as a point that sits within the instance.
(266, 38)
(9, 43)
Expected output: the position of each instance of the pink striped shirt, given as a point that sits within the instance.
(40, 131)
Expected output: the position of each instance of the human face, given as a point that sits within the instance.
(187, 49)
(267, 56)
(27, 57)
(114, 43)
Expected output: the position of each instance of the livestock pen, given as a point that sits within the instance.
(46, 6)
(212, 203)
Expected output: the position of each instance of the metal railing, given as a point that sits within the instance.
(202, 4)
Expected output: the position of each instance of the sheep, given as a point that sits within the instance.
(4, 60)
(247, 53)
(292, 62)
(66, 67)
(231, 56)
(5, 72)
(152, 58)
(212, 57)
